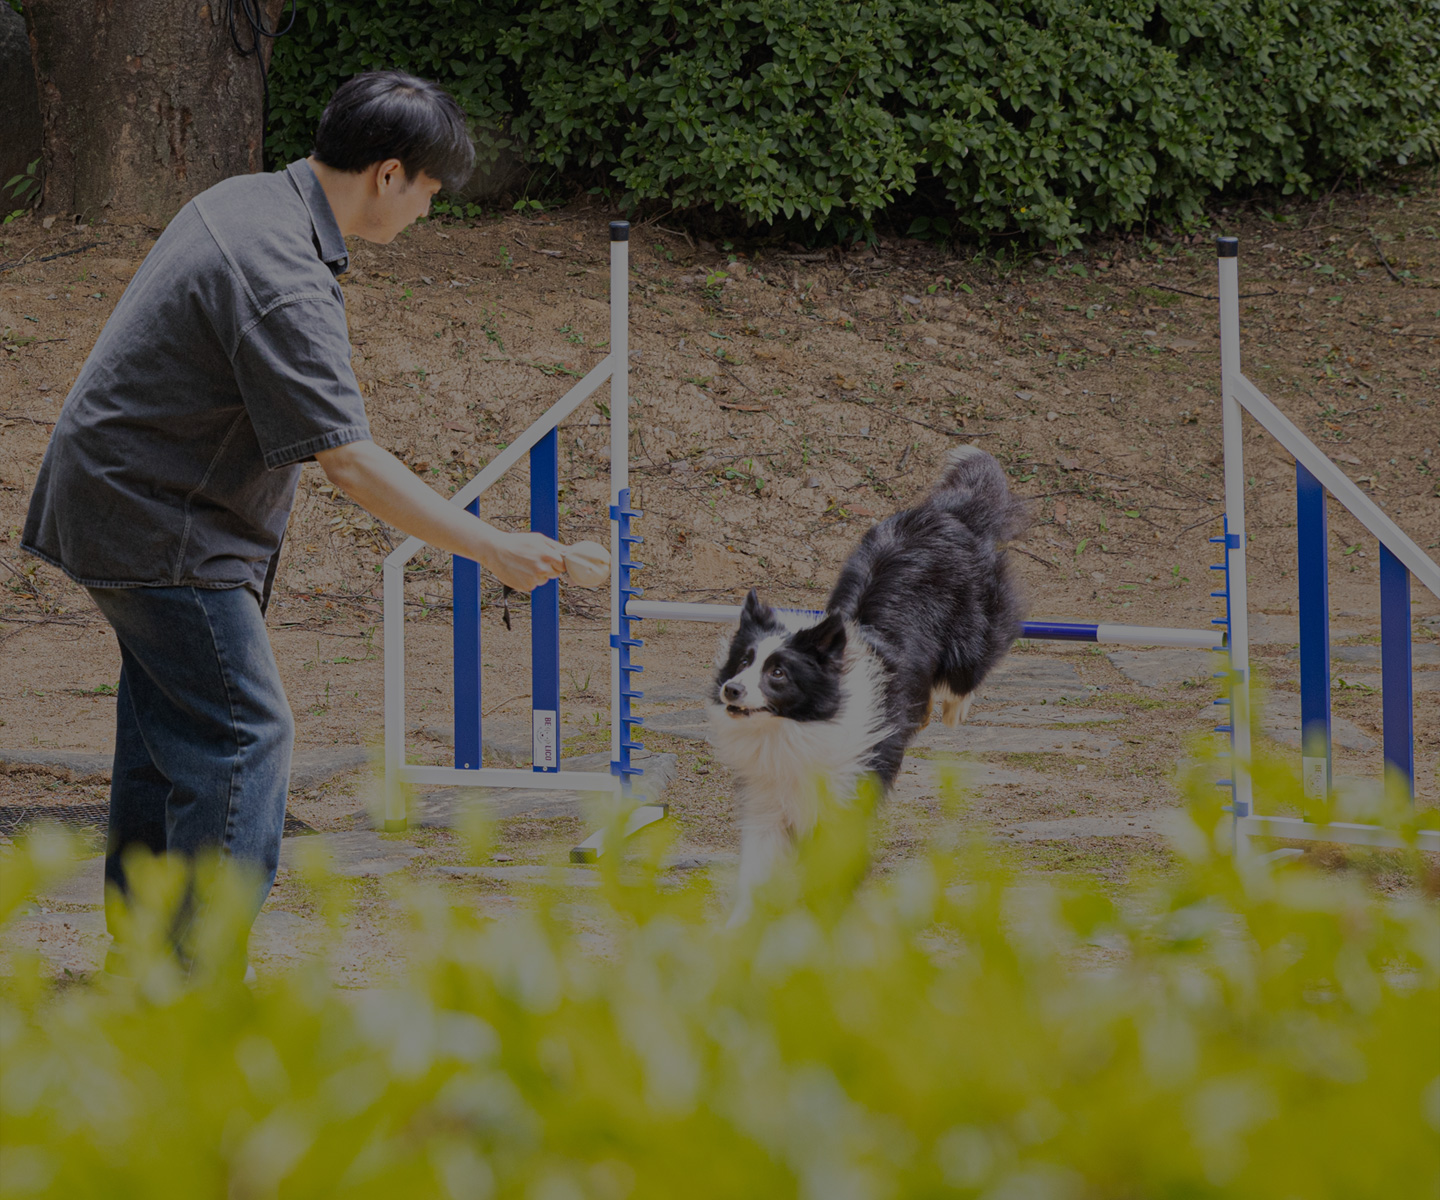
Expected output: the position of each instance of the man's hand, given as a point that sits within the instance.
(381, 484)
(525, 560)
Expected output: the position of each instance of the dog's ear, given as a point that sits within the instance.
(825, 639)
(754, 611)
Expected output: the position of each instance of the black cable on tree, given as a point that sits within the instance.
(254, 18)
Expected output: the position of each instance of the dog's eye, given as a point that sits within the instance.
(748, 659)
(777, 672)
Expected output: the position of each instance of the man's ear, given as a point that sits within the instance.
(826, 639)
(755, 611)
(394, 169)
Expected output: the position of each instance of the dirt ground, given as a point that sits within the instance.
(781, 403)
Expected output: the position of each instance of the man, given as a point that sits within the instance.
(171, 473)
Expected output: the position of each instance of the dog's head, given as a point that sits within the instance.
(775, 668)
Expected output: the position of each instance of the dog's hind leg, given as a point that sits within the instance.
(954, 709)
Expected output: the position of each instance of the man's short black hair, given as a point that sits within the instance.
(389, 114)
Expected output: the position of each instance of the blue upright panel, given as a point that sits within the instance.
(1312, 546)
(1395, 680)
(545, 608)
(466, 627)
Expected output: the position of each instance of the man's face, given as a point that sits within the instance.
(396, 202)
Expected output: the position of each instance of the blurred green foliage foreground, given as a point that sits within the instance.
(950, 1030)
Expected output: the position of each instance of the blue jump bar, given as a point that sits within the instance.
(1061, 631)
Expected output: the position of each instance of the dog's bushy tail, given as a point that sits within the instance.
(973, 487)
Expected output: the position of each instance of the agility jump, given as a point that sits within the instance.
(1399, 558)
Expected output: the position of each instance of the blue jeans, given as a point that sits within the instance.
(203, 731)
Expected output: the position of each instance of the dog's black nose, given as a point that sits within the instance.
(733, 691)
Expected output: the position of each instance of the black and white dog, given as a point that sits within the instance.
(924, 608)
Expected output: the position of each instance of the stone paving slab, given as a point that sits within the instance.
(1280, 719)
(308, 767)
(701, 859)
(1022, 678)
(569, 876)
(697, 692)
(82, 764)
(1278, 629)
(1122, 825)
(691, 723)
(354, 853)
(918, 777)
(1422, 654)
(86, 885)
(1420, 681)
(1040, 714)
(279, 937)
(1163, 667)
(1004, 739)
(74, 942)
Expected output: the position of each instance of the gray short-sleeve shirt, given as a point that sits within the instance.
(224, 366)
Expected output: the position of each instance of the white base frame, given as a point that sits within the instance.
(1239, 395)
(511, 777)
(1337, 831)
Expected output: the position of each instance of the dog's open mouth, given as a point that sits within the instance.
(736, 710)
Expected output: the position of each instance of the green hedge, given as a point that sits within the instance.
(1053, 118)
(953, 1030)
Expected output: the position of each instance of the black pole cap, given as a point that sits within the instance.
(1225, 247)
(619, 231)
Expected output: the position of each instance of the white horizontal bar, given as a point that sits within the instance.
(1147, 635)
(1338, 484)
(680, 611)
(1338, 831)
(515, 451)
(511, 777)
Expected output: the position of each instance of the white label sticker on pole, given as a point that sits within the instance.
(547, 740)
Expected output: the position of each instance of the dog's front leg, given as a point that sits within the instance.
(761, 845)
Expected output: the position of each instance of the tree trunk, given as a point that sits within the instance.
(145, 103)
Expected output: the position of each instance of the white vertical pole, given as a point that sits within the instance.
(394, 625)
(619, 446)
(1229, 265)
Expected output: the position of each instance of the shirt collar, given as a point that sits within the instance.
(328, 238)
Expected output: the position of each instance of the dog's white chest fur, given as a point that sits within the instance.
(782, 768)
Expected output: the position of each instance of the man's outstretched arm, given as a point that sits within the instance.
(384, 486)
